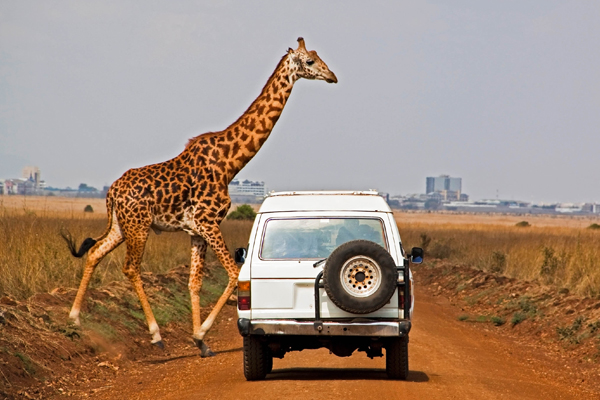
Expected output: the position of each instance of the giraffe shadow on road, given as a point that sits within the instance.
(229, 350)
(316, 374)
(194, 354)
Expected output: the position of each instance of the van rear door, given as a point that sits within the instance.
(286, 247)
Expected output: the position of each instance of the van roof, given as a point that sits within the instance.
(324, 201)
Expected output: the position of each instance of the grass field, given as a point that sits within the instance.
(559, 251)
(34, 257)
(50, 206)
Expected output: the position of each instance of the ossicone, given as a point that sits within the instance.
(301, 45)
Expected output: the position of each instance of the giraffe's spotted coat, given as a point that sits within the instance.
(189, 192)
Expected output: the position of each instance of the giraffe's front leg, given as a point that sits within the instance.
(195, 284)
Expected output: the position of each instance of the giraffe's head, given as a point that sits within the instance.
(309, 65)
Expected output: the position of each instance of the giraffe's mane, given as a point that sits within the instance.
(192, 140)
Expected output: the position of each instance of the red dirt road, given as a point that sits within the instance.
(449, 359)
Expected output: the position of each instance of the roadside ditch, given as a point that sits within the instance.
(43, 354)
(556, 322)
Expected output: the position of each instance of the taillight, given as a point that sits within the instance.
(401, 296)
(243, 295)
(409, 294)
(401, 299)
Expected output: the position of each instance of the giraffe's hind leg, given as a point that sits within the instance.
(212, 234)
(195, 284)
(136, 242)
(95, 255)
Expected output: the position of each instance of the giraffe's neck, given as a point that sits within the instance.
(251, 130)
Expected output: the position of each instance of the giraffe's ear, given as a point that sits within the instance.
(290, 50)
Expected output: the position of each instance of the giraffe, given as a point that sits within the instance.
(189, 193)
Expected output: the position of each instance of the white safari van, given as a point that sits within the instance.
(325, 269)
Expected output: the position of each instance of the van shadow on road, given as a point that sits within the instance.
(316, 374)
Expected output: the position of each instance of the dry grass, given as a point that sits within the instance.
(51, 206)
(34, 258)
(556, 251)
(454, 218)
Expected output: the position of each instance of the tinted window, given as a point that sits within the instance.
(315, 237)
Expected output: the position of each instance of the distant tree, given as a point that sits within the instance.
(523, 224)
(243, 212)
(88, 208)
(83, 187)
(432, 204)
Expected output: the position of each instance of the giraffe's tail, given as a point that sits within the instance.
(85, 246)
(88, 243)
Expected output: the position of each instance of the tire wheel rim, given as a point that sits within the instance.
(360, 276)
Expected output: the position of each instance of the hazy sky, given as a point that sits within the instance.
(505, 94)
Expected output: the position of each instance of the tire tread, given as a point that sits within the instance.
(396, 358)
(257, 360)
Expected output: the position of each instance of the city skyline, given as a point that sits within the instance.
(502, 94)
(440, 183)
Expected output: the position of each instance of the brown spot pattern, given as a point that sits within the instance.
(189, 192)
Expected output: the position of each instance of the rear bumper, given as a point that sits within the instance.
(329, 328)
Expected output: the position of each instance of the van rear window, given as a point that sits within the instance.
(315, 238)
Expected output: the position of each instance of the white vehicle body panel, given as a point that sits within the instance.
(295, 299)
(284, 289)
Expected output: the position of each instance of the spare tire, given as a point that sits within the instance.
(360, 276)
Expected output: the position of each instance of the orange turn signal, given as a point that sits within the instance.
(244, 286)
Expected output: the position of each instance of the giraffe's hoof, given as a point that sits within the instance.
(159, 344)
(204, 349)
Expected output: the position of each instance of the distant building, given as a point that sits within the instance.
(435, 184)
(443, 182)
(247, 187)
(247, 191)
(32, 174)
(31, 183)
(445, 188)
(569, 208)
(18, 186)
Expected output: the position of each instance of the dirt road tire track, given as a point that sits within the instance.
(448, 359)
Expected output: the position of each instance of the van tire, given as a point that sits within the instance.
(357, 263)
(396, 358)
(258, 361)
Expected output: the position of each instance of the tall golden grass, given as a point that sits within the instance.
(556, 251)
(34, 257)
(564, 257)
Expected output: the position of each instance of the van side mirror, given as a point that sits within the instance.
(416, 255)
(240, 255)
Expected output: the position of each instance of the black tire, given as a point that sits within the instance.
(357, 263)
(258, 361)
(396, 358)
